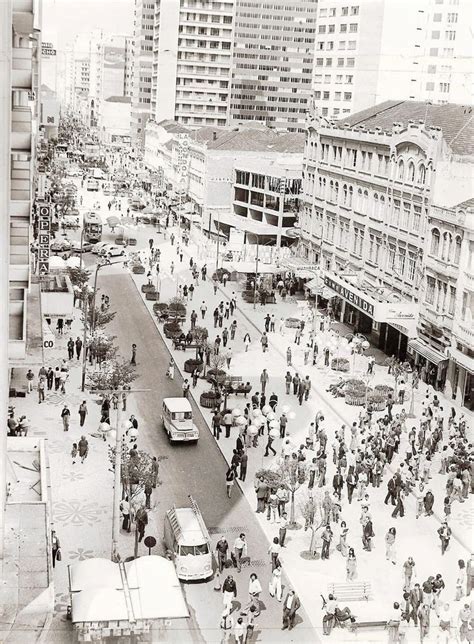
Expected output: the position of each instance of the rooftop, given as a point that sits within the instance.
(455, 121)
(118, 99)
(252, 139)
(465, 205)
(173, 127)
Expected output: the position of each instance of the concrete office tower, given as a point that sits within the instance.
(272, 62)
(142, 67)
(129, 62)
(374, 50)
(192, 56)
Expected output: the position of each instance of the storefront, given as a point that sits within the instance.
(431, 364)
(461, 378)
(388, 324)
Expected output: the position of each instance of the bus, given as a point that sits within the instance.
(188, 542)
(92, 184)
(92, 227)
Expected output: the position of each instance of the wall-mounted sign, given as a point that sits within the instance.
(47, 49)
(350, 296)
(44, 228)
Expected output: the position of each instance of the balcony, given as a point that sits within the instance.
(20, 209)
(22, 68)
(23, 16)
(20, 181)
(21, 137)
(437, 265)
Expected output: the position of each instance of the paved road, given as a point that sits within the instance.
(192, 469)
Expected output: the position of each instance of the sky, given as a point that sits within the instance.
(64, 19)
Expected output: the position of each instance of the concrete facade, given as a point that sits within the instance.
(272, 62)
(142, 68)
(192, 57)
(360, 59)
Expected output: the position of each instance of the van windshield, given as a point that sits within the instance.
(202, 549)
(181, 415)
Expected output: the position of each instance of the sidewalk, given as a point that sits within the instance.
(310, 578)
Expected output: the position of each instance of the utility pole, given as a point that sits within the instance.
(115, 556)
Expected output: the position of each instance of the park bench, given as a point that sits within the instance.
(235, 385)
(351, 591)
(368, 624)
(183, 346)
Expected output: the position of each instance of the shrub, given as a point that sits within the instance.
(340, 364)
(384, 390)
(138, 269)
(191, 364)
(210, 399)
(159, 307)
(216, 374)
(172, 329)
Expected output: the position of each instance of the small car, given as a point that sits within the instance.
(111, 250)
(76, 246)
(96, 248)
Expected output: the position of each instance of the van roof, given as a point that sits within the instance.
(177, 404)
(191, 531)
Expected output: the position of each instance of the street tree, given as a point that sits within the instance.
(101, 348)
(79, 276)
(310, 511)
(292, 475)
(97, 319)
(200, 335)
(116, 374)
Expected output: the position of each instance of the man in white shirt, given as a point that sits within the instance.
(240, 550)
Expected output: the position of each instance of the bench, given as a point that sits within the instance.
(368, 624)
(235, 385)
(183, 346)
(351, 591)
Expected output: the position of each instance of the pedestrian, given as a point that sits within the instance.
(262, 491)
(222, 548)
(247, 342)
(326, 539)
(125, 510)
(227, 625)
(290, 605)
(390, 553)
(239, 551)
(351, 565)
(233, 329)
(83, 447)
(30, 376)
(82, 413)
(78, 345)
(55, 548)
(254, 591)
(243, 466)
(66, 418)
(74, 453)
(274, 587)
(133, 359)
(269, 445)
(229, 480)
(264, 342)
(264, 380)
(141, 521)
(172, 268)
(239, 631)
(63, 376)
(57, 379)
(185, 387)
(203, 309)
(41, 388)
(274, 552)
(288, 356)
(148, 489)
(282, 529)
(444, 533)
(229, 590)
(70, 348)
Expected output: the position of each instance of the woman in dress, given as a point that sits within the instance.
(275, 582)
(247, 341)
(343, 539)
(351, 565)
(354, 444)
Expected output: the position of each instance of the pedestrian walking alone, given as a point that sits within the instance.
(230, 477)
(66, 418)
(133, 359)
(82, 413)
(83, 448)
(55, 548)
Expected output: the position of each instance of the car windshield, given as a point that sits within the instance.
(202, 549)
(182, 415)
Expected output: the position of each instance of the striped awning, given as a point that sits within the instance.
(424, 350)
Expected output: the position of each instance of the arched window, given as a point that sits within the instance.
(320, 181)
(323, 194)
(422, 173)
(401, 170)
(366, 201)
(344, 194)
(411, 171)
(446, 248)
(336, 191)
(457, 249)
(376, 205)
(382, 207)
(359, 203)
(331, 190)
(351, 194)
(434, 250)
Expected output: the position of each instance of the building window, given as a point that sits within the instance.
(452, 300)
(411, 171)
(444, 87)
(422, 173)
(430, 289)
(457, 250)
(411, 265)
(391, 258)
(450, 35)
(405, 221)
(401, 170)
(416, 218)
(435, 239)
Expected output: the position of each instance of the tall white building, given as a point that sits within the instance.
(273, 62)
(374, 50)
(192, 57)
(142, 68)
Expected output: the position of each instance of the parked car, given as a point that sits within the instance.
(96, 248)
(111, 250)
(60, 246)
(76, 246)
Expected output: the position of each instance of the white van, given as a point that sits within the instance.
(188, 542)
(177, 420)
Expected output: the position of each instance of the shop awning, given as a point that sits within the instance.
(424, 350)
(462, 359)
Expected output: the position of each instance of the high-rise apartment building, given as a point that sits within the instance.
(129, 64)
(192, 57)
(142, 68)
(273, 62)
(375, 50)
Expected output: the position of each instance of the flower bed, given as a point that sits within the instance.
(138, 269)
(340, 364)
(210, 399)
(216, 374)
(384, 390)
(152, 296)
(147, 288)
(376, 400)
(191, 364)
(355, 392)
(176, 310)
(159, 308)
(172, 330)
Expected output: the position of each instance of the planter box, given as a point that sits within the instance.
(132, 242)
(355, 400)
(147, 288)
(190, 365)
(378, 406)
(209, 403)
(138, 270)
(160, 307)
(219, 377)
(152, 296)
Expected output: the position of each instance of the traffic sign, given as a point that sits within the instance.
(150, 542)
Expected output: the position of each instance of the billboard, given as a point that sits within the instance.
(44, 228)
